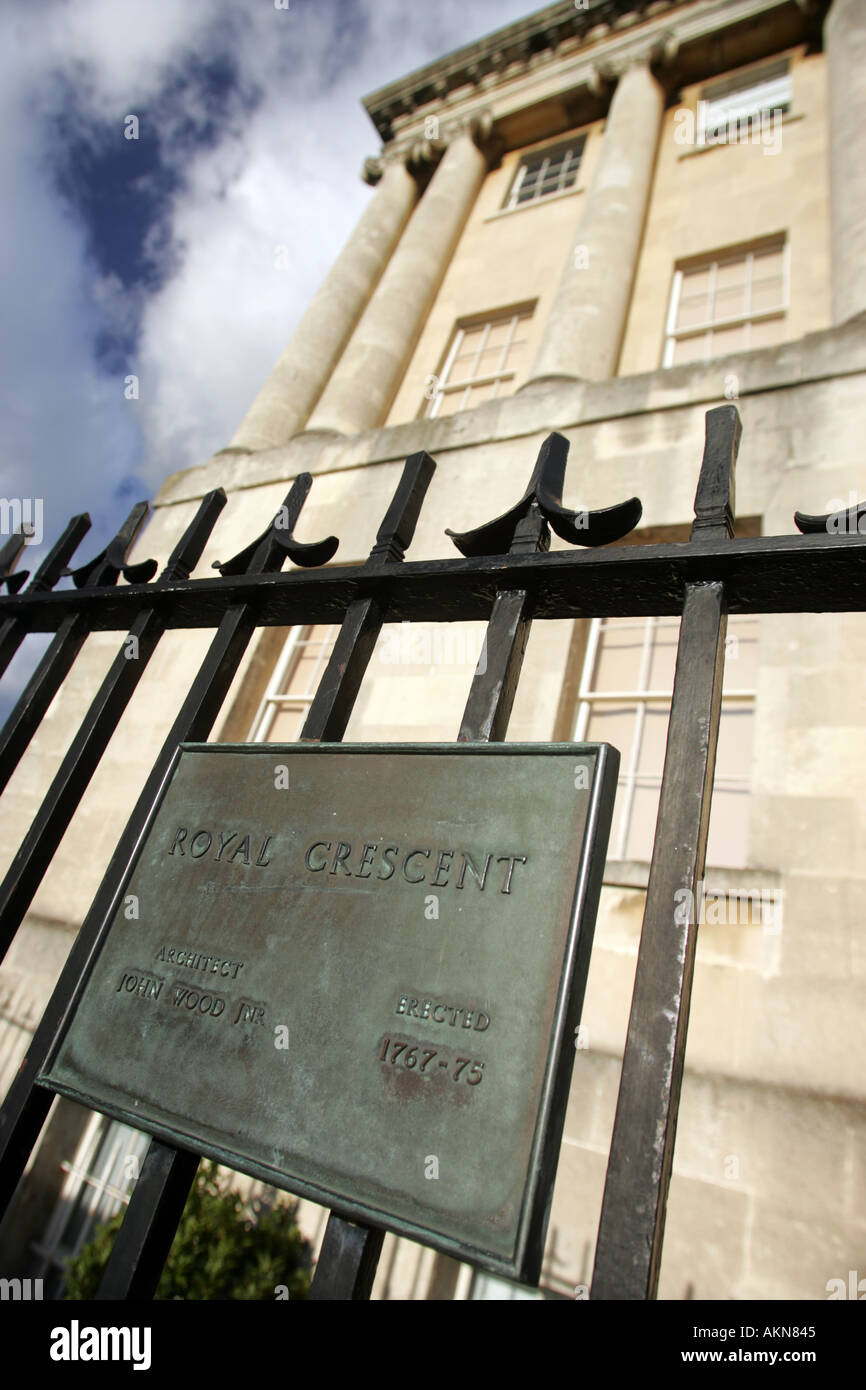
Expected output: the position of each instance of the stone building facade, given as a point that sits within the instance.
(602, 220)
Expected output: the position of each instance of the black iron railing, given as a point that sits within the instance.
(506, 578)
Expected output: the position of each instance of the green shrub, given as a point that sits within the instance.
(220, 1251)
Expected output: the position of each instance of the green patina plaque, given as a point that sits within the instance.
(356, 972)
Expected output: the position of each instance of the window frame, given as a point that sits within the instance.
(87, 1185)
(738, 97)
(630, 778)
(513, 315)
(571, 165)
(712, 261)
(276, 696)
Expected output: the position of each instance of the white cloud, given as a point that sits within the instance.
(284, 172)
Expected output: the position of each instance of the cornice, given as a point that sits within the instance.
(539, 33)
(688, 40)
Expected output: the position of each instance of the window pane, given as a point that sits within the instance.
(690, 349)
(730, 303)
(615, 845)
(286, 725)
(619, 657)
(479, 394)
(693, 311)
(303, 677)
(768, 260)
(766, 332)
(767, 293)
(734, 753)
(731, 273)
(498, 334)
(463, 365)
(515, 356)
(663, 658)
(642, 824)
(489, 361)
(654, 735)
(696, 282)
(452, 402)
(741, 654)
(612, 724)
(724, 340)
(471, 341)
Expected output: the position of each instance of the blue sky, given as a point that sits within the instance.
(156, 256)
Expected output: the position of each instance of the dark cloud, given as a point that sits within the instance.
(158, 258)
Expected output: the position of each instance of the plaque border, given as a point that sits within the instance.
(531, 1225)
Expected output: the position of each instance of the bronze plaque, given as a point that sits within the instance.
(356, 972)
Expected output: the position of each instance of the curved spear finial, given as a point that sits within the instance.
(10, 554)
(280, 535)
(850, 521)
(545, 492)
(111, 563)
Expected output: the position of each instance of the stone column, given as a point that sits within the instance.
(362, 387)
(284, 403)
(583, 333)
(845, 47)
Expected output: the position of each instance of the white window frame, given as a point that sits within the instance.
(717, 115)
(748, 317)
(572, 152)
(629, 778)
(466, 384)
(276, 697)
(88, 1183)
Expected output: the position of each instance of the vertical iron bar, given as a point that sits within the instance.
(57, 661)
(631, 1229)
(12, 630)
(166, 1177)
(338, 688)
(82, 758)
(10, 554)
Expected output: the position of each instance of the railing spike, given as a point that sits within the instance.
(589, 528)
(280, 533)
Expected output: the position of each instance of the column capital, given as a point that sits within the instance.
(372, 169)
(658, 53)
(419, 157)
(422, 153)
(480, 126)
